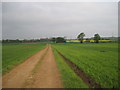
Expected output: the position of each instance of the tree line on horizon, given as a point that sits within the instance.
(80, 37)
(42, 40)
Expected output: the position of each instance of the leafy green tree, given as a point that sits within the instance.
(97, 38)
(60, 40)
(80, 37)
(53, 39)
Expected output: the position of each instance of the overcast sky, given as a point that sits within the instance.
(28, 20)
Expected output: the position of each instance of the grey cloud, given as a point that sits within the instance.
(36, 20)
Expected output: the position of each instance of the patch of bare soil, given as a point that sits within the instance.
(47, 75)
(16, 77)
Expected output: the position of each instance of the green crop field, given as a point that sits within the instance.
(14, 54)
(99, 61)
(0, 59)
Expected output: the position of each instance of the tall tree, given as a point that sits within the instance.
(80, 37)
(60, 40)
(53, 39)
(97, 38)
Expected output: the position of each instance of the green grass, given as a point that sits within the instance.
(100, 61)
(14, 54)
(0, 59)
(69, 78)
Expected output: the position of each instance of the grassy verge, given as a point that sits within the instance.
(1, 64)
(69, 78)
(14, 54)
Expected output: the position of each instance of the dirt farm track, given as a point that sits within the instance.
(38, 71)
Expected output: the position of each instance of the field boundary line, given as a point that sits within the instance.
(79, 72)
